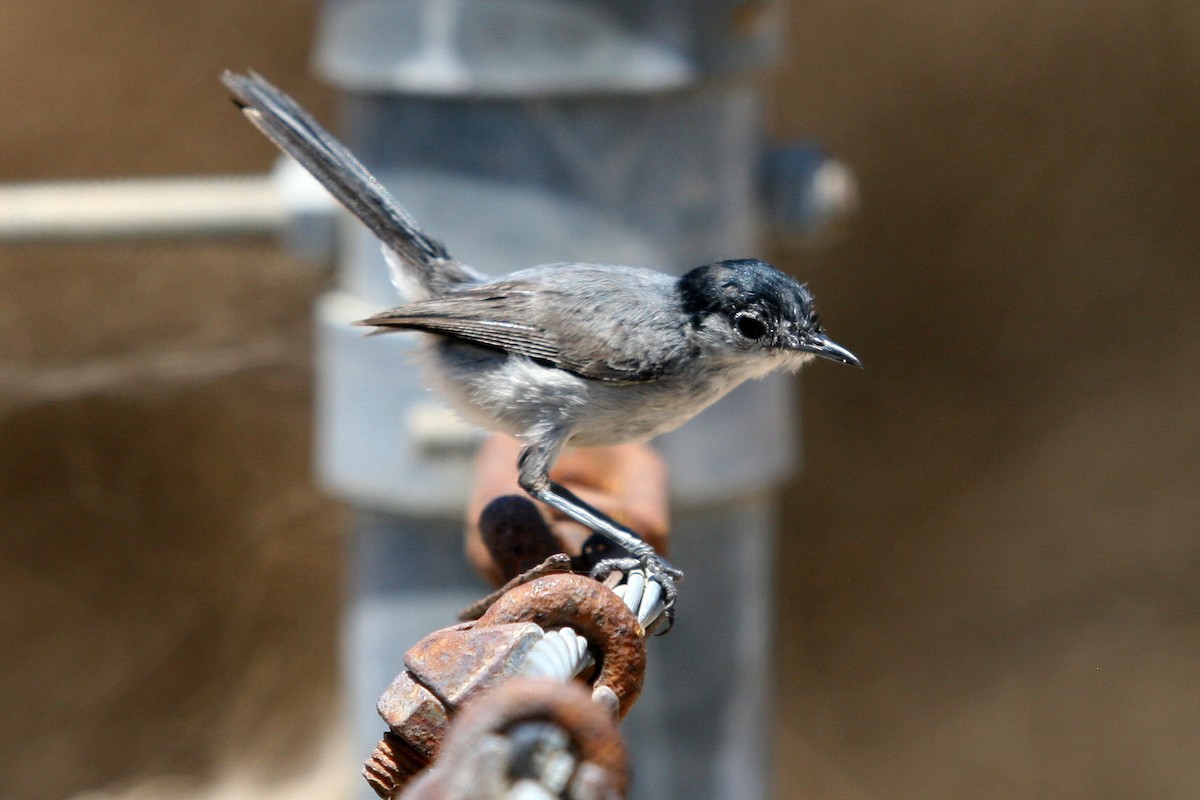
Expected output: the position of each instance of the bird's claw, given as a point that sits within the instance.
(658, 570)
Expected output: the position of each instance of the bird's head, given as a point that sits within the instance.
(748, 308)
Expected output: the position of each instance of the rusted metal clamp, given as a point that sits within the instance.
(448, 668)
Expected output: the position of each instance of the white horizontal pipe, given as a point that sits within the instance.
(143, 207)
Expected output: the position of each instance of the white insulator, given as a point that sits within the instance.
(580, 644)
(560, 656)
(642, 597)
(651, 605)
(635, 584)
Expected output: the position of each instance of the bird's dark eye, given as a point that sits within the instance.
(750, 326)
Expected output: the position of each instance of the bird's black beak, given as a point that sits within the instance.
(821, 345)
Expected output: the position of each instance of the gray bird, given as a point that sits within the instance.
(563, 354)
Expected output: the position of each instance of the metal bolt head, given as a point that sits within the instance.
(414, 714)
(459, 662)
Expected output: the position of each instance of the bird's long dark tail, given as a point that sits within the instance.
(295, 132)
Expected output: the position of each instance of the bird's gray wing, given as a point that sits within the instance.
(552, 327)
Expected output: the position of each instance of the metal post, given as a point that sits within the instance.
(532, 131)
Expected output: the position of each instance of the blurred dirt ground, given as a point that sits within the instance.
(991, 577)
(168, 573)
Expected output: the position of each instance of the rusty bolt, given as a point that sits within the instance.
(615, 638)
(445, 669)
(459, 662)
(392, 765)
(417, 723)
(415, 714)
(452, 665)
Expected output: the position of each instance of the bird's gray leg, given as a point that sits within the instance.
(534, 477)
(534, 468)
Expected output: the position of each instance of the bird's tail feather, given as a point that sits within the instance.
(294, 131)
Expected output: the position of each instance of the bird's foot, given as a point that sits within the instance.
(658, 570)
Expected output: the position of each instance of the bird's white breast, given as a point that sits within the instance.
(515, 395)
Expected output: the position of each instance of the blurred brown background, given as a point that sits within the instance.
(992, 584)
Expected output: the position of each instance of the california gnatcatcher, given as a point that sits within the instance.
(563, 354)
